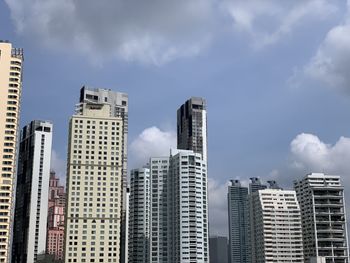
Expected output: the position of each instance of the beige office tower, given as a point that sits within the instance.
(95, 178)
(10, 94)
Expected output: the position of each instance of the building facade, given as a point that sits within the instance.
(188, 175)
(55, 219)
(161, 230)
(95, 171)
(238, 219)
(32, 192)
(322, 204)
(192, 126)
(11, 60)
(218, 249)
(255, 185)
(276, 231)
(179, 208)
(139, 216)
(118, 103)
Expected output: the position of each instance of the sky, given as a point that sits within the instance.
(275, 75)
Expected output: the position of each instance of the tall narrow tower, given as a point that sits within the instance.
(10, 96)
(192, 126)
(55, 218)
(32, 192)
(95, 177)
(238, 211)
(139, 215)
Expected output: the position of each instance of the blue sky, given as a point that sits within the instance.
(275, 75)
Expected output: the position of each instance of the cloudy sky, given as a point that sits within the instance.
(276, 76)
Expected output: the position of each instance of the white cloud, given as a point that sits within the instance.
(331, 63)
(152, 142)
(154, 31)
(268, 21)
(218, 217)
(310, 154)
(58, 165)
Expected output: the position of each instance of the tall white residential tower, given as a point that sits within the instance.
(179, 205)
(32, 192)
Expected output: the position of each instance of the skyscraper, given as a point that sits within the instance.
(192, 135)
(188, 175)
(276, 230)
(179, 208)
(95, 184)
(55, 219)
(239, 242)
(11, 60)
(218, 249)
(322, 204)
(255, 185)
(32, 191)
(139, 216)
(192, 126)
(161, 229)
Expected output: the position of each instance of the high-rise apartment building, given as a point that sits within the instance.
(96, 164)
(161, 229)
(218, 249)
(55, 219)
(238, 219)
(11, 60)
(139, 216)
(322, 204)
(192, 126)
(179, 208)
(32, 192)
(276, 231)
(189, 200)
(118, 108)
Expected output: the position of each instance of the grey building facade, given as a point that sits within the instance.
(255, 185)
(218, 249)
(139, 216)
(238, 212)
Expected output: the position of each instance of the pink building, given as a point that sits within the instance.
(55, 222)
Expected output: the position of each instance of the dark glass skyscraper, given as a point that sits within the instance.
(238, 222)
(192, 126)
